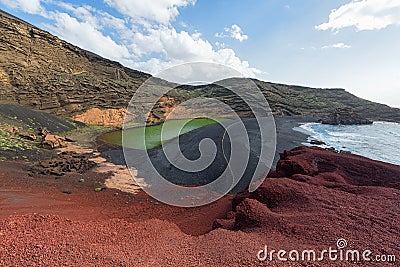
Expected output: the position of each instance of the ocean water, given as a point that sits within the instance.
(379, 141)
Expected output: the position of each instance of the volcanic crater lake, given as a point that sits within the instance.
(155, 135)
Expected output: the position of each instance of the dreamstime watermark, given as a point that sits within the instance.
(338, 253)
(186, 171)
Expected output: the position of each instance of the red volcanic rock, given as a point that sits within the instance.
(320, 197)
(330, 168)
(343, 196)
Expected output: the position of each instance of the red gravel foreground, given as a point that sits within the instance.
(316, 198)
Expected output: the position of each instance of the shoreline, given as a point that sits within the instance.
(287, 138)
(374, 141)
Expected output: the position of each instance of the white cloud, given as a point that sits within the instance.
(161, 11)
(183, 24)
(96, 18)
(234, 32)
(181, 47)
(364, 15)
(28, 6)
(220, 45)
(148, 42)
(337, 45)
(108, 20)
(83, 13)
(153, 65)
(86, 36)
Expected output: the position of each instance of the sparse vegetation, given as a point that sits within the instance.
(86, 135)
(13, 146)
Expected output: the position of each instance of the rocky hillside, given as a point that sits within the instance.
(290, 99)
(40, 71)
(297, 100)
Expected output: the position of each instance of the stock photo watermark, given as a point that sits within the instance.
(340, 252)
(245, 148)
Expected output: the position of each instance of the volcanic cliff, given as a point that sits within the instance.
(43, 72)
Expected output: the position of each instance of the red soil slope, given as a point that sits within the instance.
(315, 198)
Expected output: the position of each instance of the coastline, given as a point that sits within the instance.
(287, 137)
(376, 141)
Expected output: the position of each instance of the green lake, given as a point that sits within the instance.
(156, 135)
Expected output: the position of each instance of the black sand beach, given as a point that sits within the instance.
(286, 139)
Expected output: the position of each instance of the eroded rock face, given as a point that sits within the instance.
(345, 116)
(40, 71)
(43, 72)
(307, 177)
(324, 167)
(305, 174)
(102, 116)
(51, 141)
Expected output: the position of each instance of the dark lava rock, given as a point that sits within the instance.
(345, 116)
(317, 142)
(63, 163)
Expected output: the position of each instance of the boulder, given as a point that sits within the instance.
(345, 116)
(64, 162)
(317, 142)
(51, 141)
(28, 136)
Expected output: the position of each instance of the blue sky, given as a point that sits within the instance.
(337, 43)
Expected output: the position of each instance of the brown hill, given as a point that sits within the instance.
(41, 71)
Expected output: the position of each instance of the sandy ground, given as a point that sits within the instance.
(24, 193)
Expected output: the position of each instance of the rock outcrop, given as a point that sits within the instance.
(41, 71)
(319, 196)
(64, 162)
(102, 116)
(46, 139)
(345, 116)
(51, 141)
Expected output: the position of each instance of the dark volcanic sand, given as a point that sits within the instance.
(318, 198)
(286, 138)
(29, 118)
